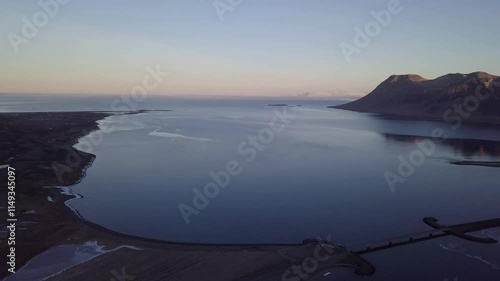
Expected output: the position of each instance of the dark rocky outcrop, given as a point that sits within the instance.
(411, 95)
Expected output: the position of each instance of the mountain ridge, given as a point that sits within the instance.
(411, 95)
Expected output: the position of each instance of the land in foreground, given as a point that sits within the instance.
(40, 147)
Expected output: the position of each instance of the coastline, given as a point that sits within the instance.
(490, 164)
(55, 223)
(421, 117)
(32, 154)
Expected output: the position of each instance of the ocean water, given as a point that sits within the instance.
(320, 173)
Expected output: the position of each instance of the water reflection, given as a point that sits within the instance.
(467, 148)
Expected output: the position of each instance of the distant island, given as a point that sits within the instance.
(474, 96)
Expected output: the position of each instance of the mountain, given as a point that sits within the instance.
(474, 96)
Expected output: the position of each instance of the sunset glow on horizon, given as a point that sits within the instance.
(258, 48)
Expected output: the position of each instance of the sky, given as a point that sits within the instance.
(241, 47)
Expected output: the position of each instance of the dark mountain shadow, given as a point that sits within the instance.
(466, 147)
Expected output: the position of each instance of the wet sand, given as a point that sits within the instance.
(40, 146)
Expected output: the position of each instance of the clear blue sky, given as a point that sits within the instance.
(262, 47)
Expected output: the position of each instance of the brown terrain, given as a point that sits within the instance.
(471, 97)
(40, 147)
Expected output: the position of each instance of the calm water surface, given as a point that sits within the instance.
(322, 176)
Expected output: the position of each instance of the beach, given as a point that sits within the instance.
(38, 145)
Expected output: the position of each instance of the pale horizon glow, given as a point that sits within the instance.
(261, 48)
